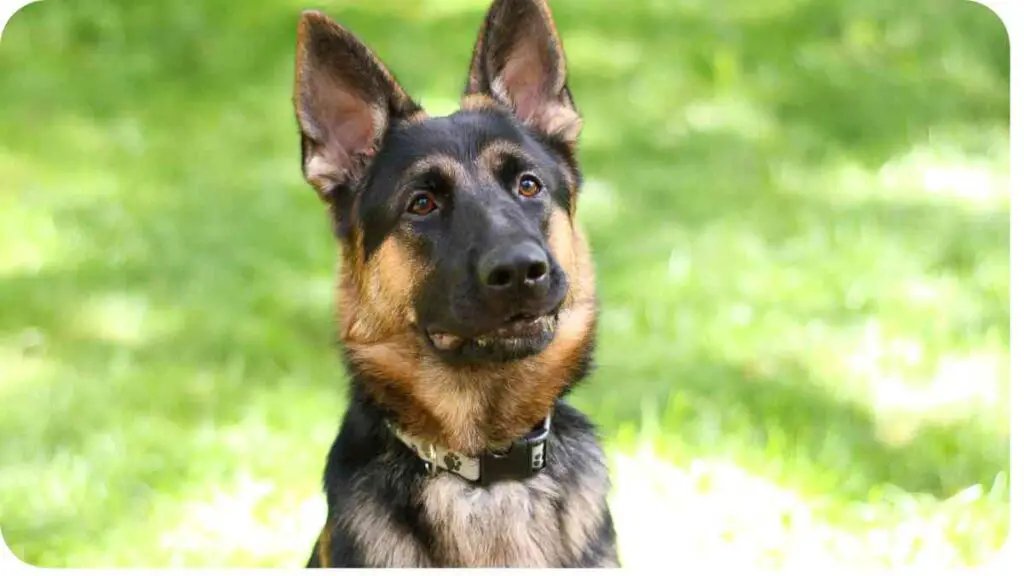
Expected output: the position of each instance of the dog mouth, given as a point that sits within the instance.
(522, 331)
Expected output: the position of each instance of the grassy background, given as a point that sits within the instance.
(800, 214)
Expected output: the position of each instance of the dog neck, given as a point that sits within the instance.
(470, 409)
(524, 457)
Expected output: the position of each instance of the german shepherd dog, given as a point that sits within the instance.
(467, 306)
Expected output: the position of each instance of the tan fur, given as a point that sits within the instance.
(506, 525)
(528, 78)
(342, 123)
(464, 408)
(518, 524)
(323, 548)
(322, 175)
(489, 159)
(500, 527)
(535, 523)
(474, 102)
(569, 246)
(379, 299)
(448, 166)
(416, 117)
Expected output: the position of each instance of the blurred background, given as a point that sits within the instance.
(800, 215)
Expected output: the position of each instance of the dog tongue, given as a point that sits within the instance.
(445, 341)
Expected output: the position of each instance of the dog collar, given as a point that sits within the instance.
(524, 458)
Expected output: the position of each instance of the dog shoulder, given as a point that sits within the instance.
(578, 461)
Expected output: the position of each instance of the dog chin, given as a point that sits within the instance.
(513, 341)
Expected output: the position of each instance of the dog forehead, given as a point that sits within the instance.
(454, 144)
(461, 135)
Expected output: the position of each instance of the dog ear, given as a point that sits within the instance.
(344, 99)
(519, 61)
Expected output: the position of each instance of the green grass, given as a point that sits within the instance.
(800, 215)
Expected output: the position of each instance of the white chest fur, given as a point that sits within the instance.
(509, 524)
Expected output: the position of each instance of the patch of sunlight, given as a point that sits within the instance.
(729, 114)
(933, 170)
(19, 366)
(29, 239)
(931, 291)
(874, 349)
(719, 512)
(17, 170)
(310, 292)
(46, 484)
(968, 378)
(845, 180)
(929, 171)
(599, 203)
(123, 318)
(679, 265)
(252, 518)
(723, 515)
(960, 387)
(618, 319)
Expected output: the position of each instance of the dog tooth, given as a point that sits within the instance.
(445, 341)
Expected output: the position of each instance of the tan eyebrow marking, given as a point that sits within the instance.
(490, 158)
(446, 165)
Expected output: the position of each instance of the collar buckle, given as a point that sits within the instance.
(525, 457)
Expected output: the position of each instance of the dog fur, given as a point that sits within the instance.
(367, 148)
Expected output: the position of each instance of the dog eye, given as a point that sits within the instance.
(422, 204)
(529, 185)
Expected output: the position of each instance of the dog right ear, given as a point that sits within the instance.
(519, 61)
(344, 99)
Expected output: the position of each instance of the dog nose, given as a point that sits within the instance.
(511, 267)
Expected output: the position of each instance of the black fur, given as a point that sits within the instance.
(367, 462)
(372, 154)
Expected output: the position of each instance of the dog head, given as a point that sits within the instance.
(461, 263)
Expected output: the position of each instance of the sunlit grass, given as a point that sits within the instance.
(716, 513)
(800, 216)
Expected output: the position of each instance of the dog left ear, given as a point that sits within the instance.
(519, 61)
(345, 98)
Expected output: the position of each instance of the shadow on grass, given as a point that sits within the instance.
(863, 79)
(784, 422)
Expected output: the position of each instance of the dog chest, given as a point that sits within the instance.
(513, 524)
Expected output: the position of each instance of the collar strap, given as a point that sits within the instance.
(524, 458)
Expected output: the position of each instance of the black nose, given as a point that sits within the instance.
(513, 267)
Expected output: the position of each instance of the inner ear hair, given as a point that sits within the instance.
(519, 61)
(344, 99)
